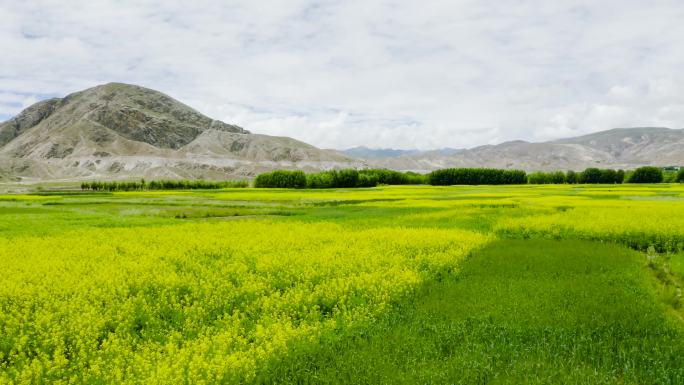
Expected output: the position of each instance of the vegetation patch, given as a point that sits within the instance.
(162, 185)
(390, 284)
(532, 312)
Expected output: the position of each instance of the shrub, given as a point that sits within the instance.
(362, 178)
(281, 179)
(415, 178)
(391, 177)
(350, 178)
(367, 180)
(539, 178)
(319, 180)
(604, 176)
(557, 177)
(646, 174)
(590, 175)
(608, 176)
(669, 176)
(161, 185)
(345, 178)
(476, 176)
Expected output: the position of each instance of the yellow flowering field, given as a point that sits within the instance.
(205, 302)
(224, 286)
(635, 223)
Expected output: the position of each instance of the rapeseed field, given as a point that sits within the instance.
(405, 284)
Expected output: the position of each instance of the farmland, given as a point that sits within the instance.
(392, 284)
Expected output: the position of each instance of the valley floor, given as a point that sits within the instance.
(484, 284)
(538, 311)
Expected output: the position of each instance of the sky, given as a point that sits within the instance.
(382, 74)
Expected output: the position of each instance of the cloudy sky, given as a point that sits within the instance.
(402, 74)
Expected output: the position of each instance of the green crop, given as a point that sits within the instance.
(390, 284)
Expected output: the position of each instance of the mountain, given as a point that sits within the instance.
(120, 131)
(363, 152)
(654, 145)
(624, 148)
(376, 153)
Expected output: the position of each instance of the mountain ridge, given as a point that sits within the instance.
(122, 131)
(379, 153)
(615, 148)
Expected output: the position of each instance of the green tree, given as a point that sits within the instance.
(345, 178)
(558, 177)
(647, 174)
(608, 176)
(590, 175)
(476, 176)
(539, 178)
(680, 176)
(281, 179)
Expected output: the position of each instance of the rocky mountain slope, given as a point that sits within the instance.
(624, 148)
(122, 131)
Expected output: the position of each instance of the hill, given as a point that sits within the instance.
(120, 131)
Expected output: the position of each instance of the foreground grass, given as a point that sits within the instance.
(256, 285)
(532, 312)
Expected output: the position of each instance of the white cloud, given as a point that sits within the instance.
(377, 73)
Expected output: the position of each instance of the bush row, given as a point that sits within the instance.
(347, 178)
(392, 177)
(161, 185)
(281, 179)
(590, 175)
(647, 174)
(476, 176)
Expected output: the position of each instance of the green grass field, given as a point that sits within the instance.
(413, 284)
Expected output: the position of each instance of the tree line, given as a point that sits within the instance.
(346, 178)
(647, 174)
(476, 176)
(351, 178)
(588, 176)
(142, 185)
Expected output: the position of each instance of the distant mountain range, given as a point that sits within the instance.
(381, 153)
(624, 148)
(121, 131)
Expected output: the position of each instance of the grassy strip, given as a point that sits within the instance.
(533, 312)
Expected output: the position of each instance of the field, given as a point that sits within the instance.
(533, 284)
